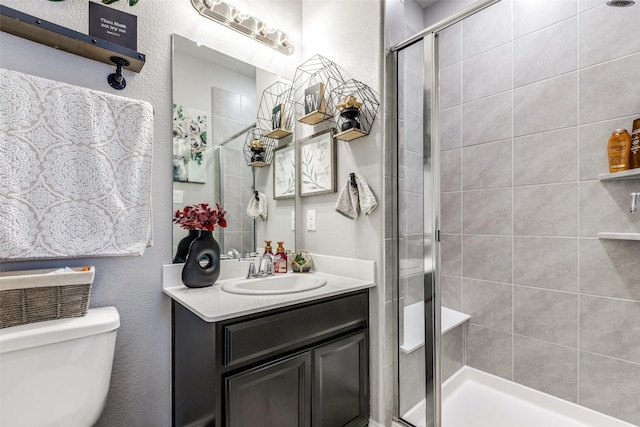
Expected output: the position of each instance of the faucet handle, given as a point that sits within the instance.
(252, 270)
(269, 267)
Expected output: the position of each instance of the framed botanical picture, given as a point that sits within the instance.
(284, 172)
(189, 144)
(317, 157)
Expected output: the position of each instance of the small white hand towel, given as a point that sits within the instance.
(257, 207)
(368, 202)
(355, 200)
(347, 203)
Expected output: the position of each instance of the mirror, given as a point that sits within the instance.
(216, 99)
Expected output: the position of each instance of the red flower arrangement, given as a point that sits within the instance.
(200, 217)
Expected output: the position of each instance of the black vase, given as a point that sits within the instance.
(351, 118)
(183, 246)
(202, 267)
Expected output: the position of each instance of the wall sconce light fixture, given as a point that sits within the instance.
(240, 20)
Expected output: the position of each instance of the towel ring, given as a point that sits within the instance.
(116, 80)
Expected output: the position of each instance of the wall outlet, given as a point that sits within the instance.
(311, 220)
(178, 196)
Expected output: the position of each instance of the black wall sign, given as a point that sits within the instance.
(113, 25)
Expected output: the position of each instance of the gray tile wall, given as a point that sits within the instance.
(231, 113)
(530, 92)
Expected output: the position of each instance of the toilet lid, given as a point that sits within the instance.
(97, 321)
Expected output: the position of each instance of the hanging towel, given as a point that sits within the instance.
(257, 207)
(75, 175)
(347, 203)
(367, 200)
(354, 200)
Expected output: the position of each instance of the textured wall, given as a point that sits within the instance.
(530, 92)
(140, 385)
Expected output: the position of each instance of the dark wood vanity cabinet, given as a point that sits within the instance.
(305, 365)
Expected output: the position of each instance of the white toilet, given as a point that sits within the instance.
(57, 373)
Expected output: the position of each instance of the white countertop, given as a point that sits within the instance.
(212, 304)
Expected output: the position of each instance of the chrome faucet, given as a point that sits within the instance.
(265, 268)
(634, 202)
(233, 253)
(266, 265)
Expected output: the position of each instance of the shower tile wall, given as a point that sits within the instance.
(231, 113)
(530, 92)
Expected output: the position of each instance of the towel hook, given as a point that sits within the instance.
(116, 80)
(256, 195)
(353, 180)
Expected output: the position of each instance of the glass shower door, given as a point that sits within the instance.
(417, 204)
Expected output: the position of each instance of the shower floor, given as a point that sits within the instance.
(475, 398)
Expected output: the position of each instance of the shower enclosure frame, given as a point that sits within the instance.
(431, 237)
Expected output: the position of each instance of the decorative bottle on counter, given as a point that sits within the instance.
(280, 264)
(619, 148)
(635, 145)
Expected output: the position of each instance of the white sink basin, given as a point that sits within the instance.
(274, 285)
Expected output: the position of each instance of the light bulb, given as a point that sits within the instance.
(212, 3)
(241, 12)
(268, 26)
(285, 40)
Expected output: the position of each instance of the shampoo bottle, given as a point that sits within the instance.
(280, 265)
(619, 148)
(635, 145)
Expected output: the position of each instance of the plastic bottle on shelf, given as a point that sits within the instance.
(619, 148)
(634, 160)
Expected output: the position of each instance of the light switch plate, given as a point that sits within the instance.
(293, 220)
(178, 196)
(311, 220)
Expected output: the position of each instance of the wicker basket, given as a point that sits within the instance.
(35, 296)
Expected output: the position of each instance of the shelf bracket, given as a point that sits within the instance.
(47, 33)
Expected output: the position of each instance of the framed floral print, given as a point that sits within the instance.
(284, 172)
(317, 160)
(189, 143)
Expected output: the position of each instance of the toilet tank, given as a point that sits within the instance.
(57, 373)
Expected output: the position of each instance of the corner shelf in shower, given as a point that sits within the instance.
(40, 31)
(619, 236)
(630, 174)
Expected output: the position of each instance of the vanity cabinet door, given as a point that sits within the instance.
(272, 395)
(341, 382)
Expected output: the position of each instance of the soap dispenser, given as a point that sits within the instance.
(280, 265)
(267, 247)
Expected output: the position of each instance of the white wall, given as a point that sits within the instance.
(350, 34)
(140, 386)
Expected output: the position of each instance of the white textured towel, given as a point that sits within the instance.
(75, 170)
(355, 200)
(257, 207)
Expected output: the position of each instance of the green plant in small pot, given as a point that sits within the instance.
(301, 262)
